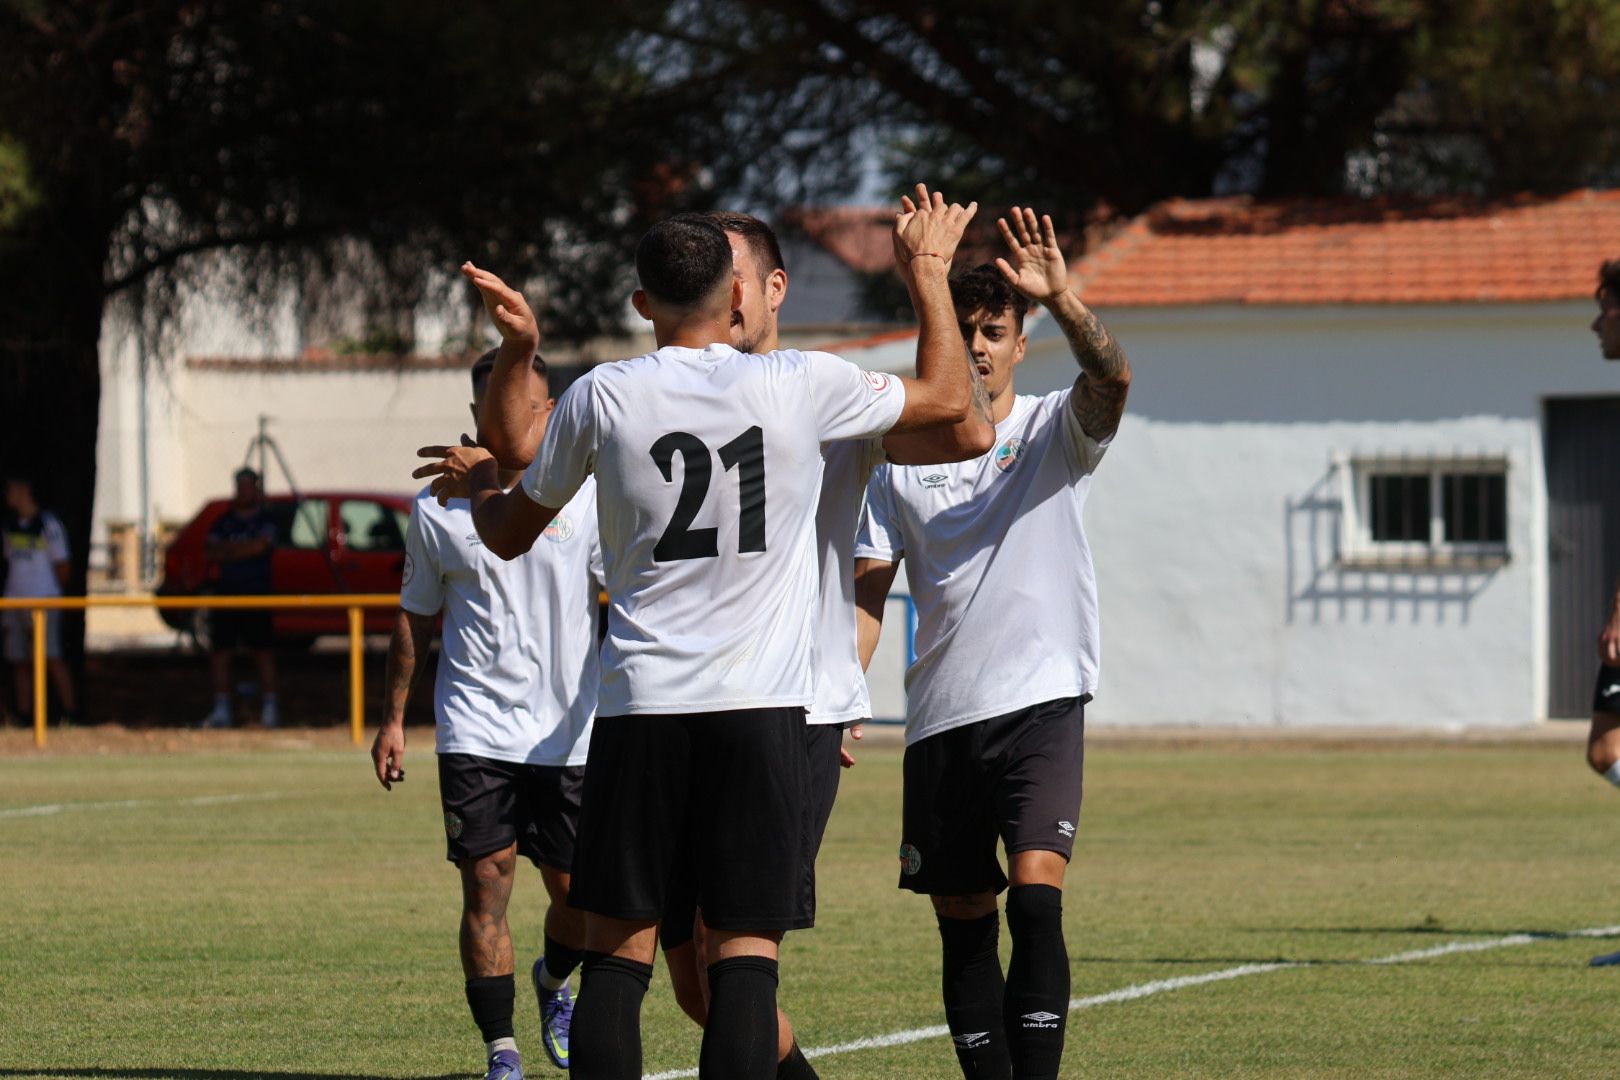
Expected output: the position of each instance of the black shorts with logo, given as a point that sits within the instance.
(822, 743)
(722, 792)
(490, 804)
(1016, 777)
(1606, 693)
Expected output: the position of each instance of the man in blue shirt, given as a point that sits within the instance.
(241, 542)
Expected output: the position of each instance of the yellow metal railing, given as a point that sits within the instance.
(355, 602)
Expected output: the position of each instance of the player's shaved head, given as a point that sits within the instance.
(984, 289)
(760, 236)
(684, 261)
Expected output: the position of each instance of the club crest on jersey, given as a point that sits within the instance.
(408, 571)
(878, 381)
(935, 480)
(452, 825)
(560, 530)
(1008, 453)
(910, 859)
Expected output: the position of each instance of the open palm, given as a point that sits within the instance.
(1038, 269)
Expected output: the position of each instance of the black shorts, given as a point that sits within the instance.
(239, 627)
(723, 793)
(1606, 693)
(822, 743)
(489, 804)
(1017, 777)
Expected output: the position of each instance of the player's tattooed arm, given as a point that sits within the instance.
(953, 442)
(1042, 274)
(413, 634)
(872, 580)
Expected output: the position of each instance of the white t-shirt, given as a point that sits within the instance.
(841, 694)
(518, 660)
(32, 549)
(708, 465)
(999, 568)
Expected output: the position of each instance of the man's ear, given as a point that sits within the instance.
(551, 403)
(1018, 357)
(776, 289)
(736, 292)
(638, 300)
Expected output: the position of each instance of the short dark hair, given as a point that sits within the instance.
(486, 364)
(1609, 279)
(683, 259)
(760, 236)
(984, 289)
(246, 473)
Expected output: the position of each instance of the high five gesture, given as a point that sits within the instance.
(1039, 271)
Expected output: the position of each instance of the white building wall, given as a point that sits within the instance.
(1214, 517)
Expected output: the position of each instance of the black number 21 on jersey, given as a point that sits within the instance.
(746, 454)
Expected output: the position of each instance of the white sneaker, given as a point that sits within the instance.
(219, 718)
(269, 715)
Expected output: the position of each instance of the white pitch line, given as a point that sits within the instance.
(1161, 986)
(47, 809)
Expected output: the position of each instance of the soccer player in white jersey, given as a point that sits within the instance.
(1006, 658)
(841, 701)
(708, 467)
(513, 701)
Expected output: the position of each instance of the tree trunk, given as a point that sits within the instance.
(50, 380)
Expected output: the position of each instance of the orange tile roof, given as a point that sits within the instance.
(1347, 251)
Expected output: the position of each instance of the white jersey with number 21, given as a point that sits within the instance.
(708, 468)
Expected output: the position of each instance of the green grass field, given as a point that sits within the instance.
(307, 927)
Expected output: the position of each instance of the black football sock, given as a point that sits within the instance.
(973, 990)
(1037, 1007)
(604, 1042)
(560, 962)
(490, 998)
(739, 1042)
(794, 1066)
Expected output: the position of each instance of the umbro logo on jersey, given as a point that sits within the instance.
(1041, 1020)
(473, 540)
(1612, 688)
(935, 480)
(1066, 828)
(971, 1040)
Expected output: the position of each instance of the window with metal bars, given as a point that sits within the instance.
(1431, 509)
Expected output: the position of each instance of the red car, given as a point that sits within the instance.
(326, 542)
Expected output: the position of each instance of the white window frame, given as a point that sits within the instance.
(1357, 548)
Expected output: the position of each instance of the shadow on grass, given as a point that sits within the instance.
(204, 1074)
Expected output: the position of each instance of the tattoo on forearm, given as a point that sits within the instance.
(402, 666)
(1099, 354)
(981, 396)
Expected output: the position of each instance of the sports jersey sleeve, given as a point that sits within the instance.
(421, 590)
(1083, 452)
(56, 545)
(851, 403)
(879, 536)
(568, 452)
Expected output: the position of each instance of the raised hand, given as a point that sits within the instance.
(452, 469)
(506, 307)
(1038, 269)
(928, 227)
